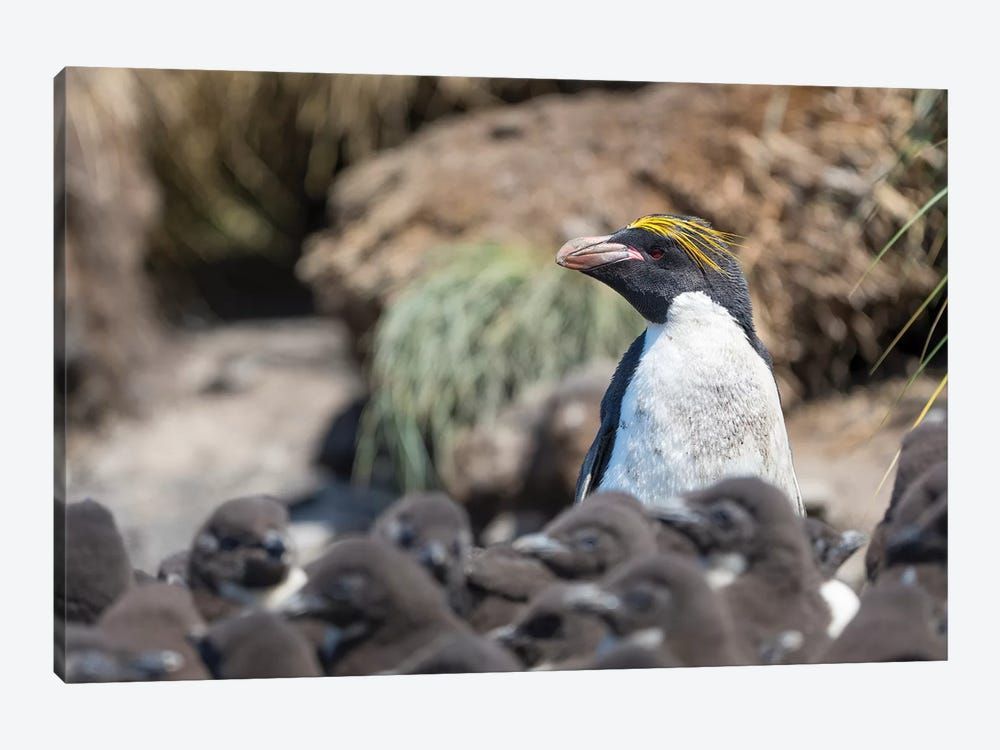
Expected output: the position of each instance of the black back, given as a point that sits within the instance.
(597, 457)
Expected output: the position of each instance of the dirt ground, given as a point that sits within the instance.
(240, 409)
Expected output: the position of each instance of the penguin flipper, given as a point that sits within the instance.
(597, 457)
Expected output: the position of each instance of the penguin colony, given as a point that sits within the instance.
(726, 575)
(687, 545)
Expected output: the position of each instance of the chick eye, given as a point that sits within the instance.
(228, 543)
(639, 599)
(543, 626)
(587, 541)
(720, 517)
(655, 254)
(405, 536)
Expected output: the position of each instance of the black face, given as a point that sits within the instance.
(650, 271)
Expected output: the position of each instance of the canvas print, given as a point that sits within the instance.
(384, 375)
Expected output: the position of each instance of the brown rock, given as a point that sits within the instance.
(792, 170)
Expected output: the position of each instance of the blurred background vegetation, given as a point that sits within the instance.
(419, 216)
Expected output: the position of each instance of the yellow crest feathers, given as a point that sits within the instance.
(699, 240)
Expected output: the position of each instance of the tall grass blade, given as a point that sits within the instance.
(912, 220)
(913, 377)
(923, 306)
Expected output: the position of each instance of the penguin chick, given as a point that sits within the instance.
(499, 583)
(254, 645)
(377, 604)
(88, 656)
(923, 540)
(156, 617)
(831, 548)
(896, 622)
(550, 632)
(920, 549)
(174, 568)
(758, 554)
(592, 537)
(92, 565)
(922, 447)
(665, 598)
(434, 530)
(241, 558)
(924, 492)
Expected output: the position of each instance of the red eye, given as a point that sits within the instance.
(655, 254)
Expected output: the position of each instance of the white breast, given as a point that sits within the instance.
(843, 604)
(701, 406)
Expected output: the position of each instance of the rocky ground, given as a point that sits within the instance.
(242, 408)
(234, 410)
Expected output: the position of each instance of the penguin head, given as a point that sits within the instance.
(919, 532)
(94, 569)
(244, 542)
(551, 629)
(650, 593)
(254, 644)
(593, 537)
(433, 530)
(363, 584)
(740, 521)
(657, 258)
(830, 547)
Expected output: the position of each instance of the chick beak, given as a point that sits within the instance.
(850, 542)
(541, 546)
(683, 518)
(304, 604)
(275, 545)
(434, 557)
(593, 600)
(589, 253)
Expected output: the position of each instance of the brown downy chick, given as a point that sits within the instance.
(377, 606)
(550, 633)
(241, 558)
(156, 617)
(255, 645)
(759, 557)
(92, 567)
(593, 537)
(434, 530)
(499, 583)
(664, 599)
